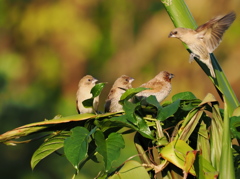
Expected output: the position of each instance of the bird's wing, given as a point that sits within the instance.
(77, 107)
(211, 32)
(147, 85)
(107, 106)
(109, 98)
(154, 86)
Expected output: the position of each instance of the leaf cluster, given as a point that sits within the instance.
(182, 136)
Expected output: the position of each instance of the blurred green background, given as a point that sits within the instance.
(47, 46)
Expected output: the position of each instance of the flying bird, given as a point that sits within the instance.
(119, 87)
(160, 86)
(205, 39)
(84, 92)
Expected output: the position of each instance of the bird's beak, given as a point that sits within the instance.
(171, 76)
(170, 35)
(131, 80)
(94, 80)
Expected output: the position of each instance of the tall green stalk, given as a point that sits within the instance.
(226, 163)
(181, 17)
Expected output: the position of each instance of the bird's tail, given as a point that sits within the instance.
(209, 65)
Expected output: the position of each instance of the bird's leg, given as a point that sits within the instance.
(192, 56)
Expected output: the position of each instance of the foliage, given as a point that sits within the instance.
(184, 132)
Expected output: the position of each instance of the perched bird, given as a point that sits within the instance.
(119, 87)
(84, 92)
(205, 39)
(160, 86)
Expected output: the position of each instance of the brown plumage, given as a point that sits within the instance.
(119, 87)
(84, 92)
(205, 39)
(160, 86)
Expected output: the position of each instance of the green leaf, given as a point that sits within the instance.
(189, 124)
(176, 153)
(203, 141)
(152, 100)
(236, 112)
(216, 135)
(118, 121)
(204, 169)
(109, 148)
(96, 91)
(49, 146)
(48, 125)
(76, 146)
(168, 111)
(121, 121)
(129, 109)
(130, 93)
(136, 120)
(131, 169)
(183, 96)
(209, 98)
(234, 125)
(189, 161)
(236, 154)
(188, 105)
(144, 130)
(88, 103)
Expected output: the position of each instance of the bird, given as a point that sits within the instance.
(160, 86)
(205, 39)
(84, 92)
(121, 84)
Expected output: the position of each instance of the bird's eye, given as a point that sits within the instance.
(175, 33)
(89, 79)
(126, 80)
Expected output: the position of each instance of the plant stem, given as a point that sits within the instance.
(226, 163)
